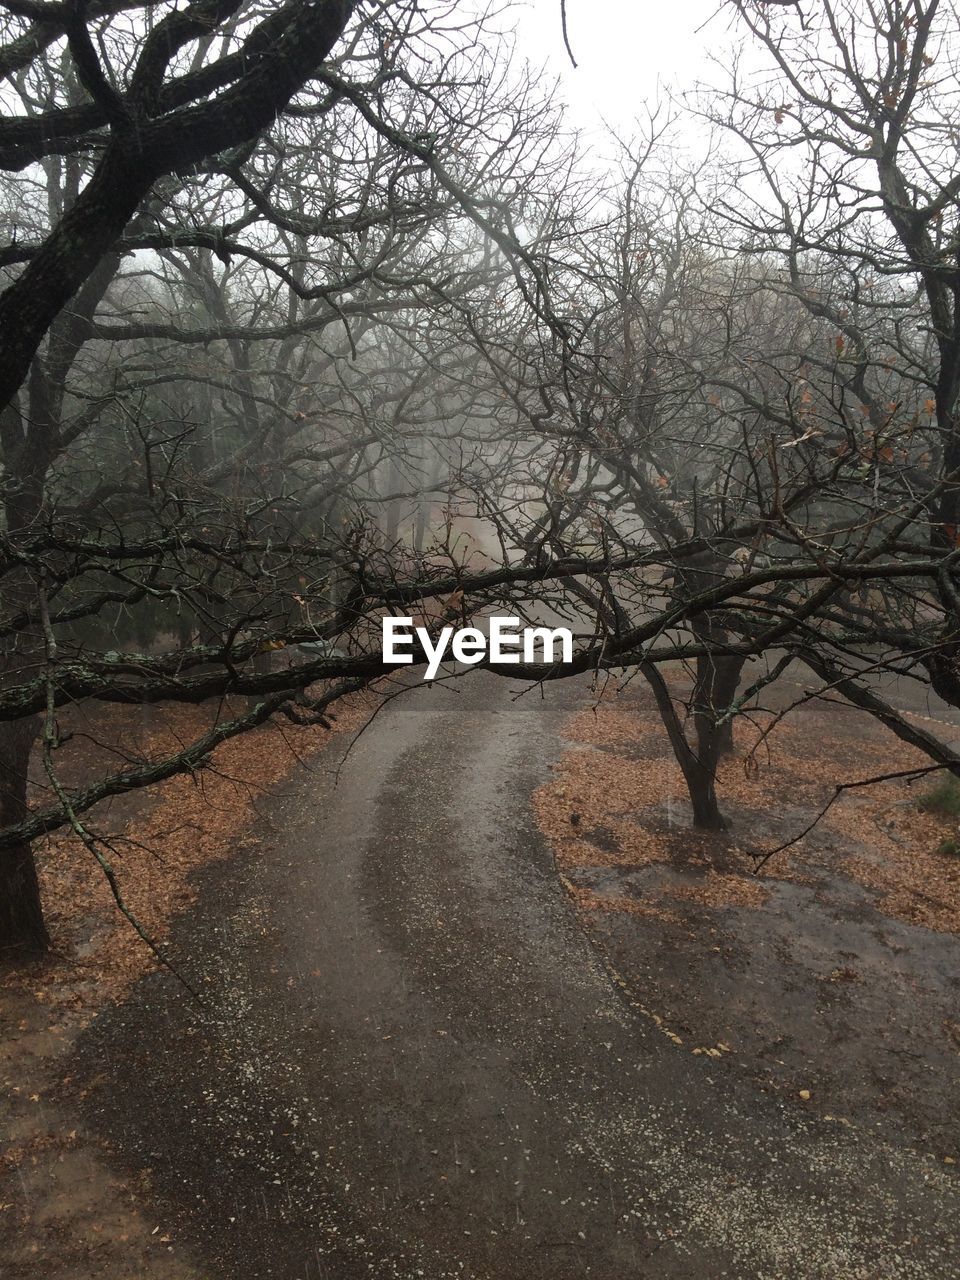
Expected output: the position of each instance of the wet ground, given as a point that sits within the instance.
(836, 973)
(412, 1059)
(814, 990)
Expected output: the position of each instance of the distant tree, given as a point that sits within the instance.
(844, 190)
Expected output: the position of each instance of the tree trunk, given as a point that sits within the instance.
(261, 666)
(725, 741)
(393, 507)
(701, 785)
(425, 501)
(718, 678)
(699, 773)
(22, 929)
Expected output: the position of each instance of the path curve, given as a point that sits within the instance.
(411, 1062)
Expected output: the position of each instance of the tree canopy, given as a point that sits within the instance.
(316, 311)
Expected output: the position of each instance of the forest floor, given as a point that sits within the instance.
(65, 1213)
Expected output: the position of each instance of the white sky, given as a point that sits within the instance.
(626, 51)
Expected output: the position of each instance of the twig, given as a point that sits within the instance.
(88, 838)
(566, 34)
(839, 789)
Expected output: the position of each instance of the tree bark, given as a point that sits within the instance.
(29, 442)
(22, 929)
(699, 774)
(718, 678)
(701, 784)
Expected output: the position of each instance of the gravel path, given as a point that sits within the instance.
(411, 1063)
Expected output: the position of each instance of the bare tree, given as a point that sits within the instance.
(279, 311)
(217, 225)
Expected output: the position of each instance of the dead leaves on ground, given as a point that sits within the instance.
(621, 784)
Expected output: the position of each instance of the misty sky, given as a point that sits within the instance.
(625, 49)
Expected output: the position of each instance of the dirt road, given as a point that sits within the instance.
(411, 1063)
